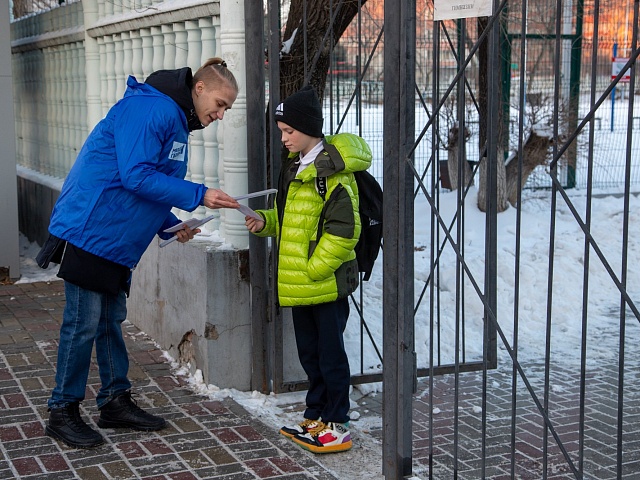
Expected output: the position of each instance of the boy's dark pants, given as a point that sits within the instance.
(318, 330)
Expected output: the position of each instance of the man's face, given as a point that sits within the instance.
(211, 103)
(295, 141)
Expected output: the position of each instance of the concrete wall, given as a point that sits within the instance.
(9, 253)
(193, 299)
(37, 195)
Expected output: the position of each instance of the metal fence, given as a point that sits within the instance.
(454, 297)
(610, 118)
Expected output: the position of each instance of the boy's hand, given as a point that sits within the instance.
(253, 224)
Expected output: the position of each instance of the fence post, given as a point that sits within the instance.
(398, 301)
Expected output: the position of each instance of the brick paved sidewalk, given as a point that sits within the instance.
(220, 439)
(205, 439)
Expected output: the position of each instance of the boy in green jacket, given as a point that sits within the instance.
(317, 267)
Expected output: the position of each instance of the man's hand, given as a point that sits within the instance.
(186, 234)
(215, 198)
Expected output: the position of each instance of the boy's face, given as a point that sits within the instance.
(295, 141)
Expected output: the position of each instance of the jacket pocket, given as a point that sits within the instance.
(347, 278)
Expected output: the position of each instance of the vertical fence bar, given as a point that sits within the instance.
(399, 128)
(494, 155)
(587, 248)
(257, 180)
(274, 149)
(552, 239)
(516, 296)
(625, 242)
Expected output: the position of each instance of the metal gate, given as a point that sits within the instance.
(481, 118)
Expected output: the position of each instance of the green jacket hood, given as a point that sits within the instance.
(343, 152)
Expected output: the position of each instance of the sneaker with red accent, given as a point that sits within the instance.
(326, 438)
(299, 429)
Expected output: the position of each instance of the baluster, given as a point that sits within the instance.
(109, 70)
(104, 101)
(234, 158)
(169, 47)
(20, 106)
(136, 55)
(34, 135)
(158, 48)
(51, 129)
(83, 93)
(210, 134)
(127, 55)
(196, 150)
(181, 61)
(17, 65)
(76, 105)
(28, 102)
(147, 52)
(40, 156)
(59, 114)
(181, 45)
(65, 110)
(118, 70)
(29, 111)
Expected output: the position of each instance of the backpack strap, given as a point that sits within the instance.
(321, 186)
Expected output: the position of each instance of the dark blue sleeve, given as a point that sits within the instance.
(169, 222)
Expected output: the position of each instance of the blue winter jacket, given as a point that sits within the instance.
(127, 177)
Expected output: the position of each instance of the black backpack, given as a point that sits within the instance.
(370, 207)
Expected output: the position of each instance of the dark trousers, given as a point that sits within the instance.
(318, 330)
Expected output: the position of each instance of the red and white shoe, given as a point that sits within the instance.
(326, 438)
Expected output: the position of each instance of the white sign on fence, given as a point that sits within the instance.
(451, 9)
(616, 67)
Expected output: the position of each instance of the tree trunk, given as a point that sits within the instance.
(534, 153)
(483, 105)
(501, 194)
(454, 157)
(321, 37)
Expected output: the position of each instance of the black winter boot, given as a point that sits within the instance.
(66, 424)
(123, 412)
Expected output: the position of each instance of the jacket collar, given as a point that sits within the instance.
(177, 85)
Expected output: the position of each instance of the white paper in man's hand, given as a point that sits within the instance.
(248, 211)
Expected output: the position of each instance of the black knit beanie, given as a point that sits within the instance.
(302, 111)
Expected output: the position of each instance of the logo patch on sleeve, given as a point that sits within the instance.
(178, 151)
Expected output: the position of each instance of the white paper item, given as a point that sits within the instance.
(191, 223)
(452, 9)
(261, 193)
(248, 211)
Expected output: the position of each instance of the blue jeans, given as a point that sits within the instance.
(91, 317)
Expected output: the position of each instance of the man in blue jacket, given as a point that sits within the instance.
(116, 198)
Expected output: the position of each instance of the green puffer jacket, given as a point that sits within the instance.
(310, 273)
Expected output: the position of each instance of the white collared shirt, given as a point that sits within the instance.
(308, 159)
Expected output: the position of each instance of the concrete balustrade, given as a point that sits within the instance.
(70, 66)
